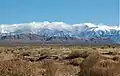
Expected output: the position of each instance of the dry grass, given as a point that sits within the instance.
(96, 65)
(59, 60)
(16, 67)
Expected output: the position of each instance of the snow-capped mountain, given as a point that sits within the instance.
(59, 32)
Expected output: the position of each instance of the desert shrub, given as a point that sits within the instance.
(73, 55)
(95, 65)
(88, 63)
(17, 67)
(116, 58)
(103, 67)
(76, 61)
(76, 54)
(111, 53)
(26, 53)
(102, 47)
(94, 48)
(50, 68)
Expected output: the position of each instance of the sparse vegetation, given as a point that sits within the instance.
(59, 60)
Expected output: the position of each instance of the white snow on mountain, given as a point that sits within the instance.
(84, 30)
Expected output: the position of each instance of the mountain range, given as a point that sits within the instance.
(59, 32)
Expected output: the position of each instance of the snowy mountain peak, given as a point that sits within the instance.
(61, 29)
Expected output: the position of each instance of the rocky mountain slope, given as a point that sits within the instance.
(59, 32)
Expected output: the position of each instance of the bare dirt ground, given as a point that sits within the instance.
(59, 60)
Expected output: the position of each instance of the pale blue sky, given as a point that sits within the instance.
(68, 11)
